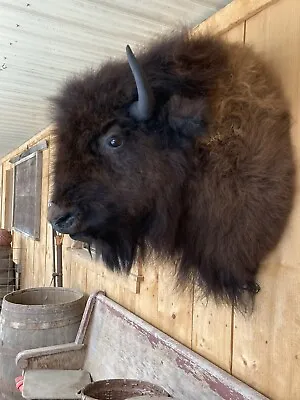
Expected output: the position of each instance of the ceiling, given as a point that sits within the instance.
(42, 42)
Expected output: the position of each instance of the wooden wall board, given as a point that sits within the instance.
(1, 191)
(3, 194)
(233, 14)
(40, 247)
(48, 187)
(266, 345)
(129, 286)
(212, 325)
(28, 271)
(78, 275)
(8, 200)
(147, 302)
(236, 34)
(66, 261)
(175, 308)
(6, 204)
(212, 332)
(93, 282)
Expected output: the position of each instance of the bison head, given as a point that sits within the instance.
(123, 152)
(186, 152)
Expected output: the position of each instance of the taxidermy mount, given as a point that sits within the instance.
(183, 150)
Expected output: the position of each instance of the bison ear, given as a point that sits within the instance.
(188, 117)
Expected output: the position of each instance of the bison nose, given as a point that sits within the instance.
(65, 223)
(62, 220)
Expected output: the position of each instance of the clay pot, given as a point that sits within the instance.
(5, 237)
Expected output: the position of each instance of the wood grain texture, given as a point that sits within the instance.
(1, 190)
(40, 247)
(147, 301)
(79, 275)
(175, 308)
(9, 182)
(266, 345)
(212, 325)
(212, 333)
(6, 190)
(232, 15)
(48, 175)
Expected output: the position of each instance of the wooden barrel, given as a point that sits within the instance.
(33, 318)
(4, 290)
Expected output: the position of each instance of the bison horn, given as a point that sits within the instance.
(143, 108)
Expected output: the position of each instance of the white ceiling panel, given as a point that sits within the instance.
(44, 41)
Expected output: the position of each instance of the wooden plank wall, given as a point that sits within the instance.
(263, 349)
(31, 254)
(266, 347)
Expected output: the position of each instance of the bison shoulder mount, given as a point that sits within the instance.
(184, 151)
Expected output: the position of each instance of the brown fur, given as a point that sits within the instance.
(208, 180)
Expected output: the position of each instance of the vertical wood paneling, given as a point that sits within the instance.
(49, 250)
(147, 301)
(175, 309)
(7, 187)
(212, 332)
(266, 351)
(40, 246)
(28, 270)
(234, 14)
(127, 295)
(1, 191)
(66, 260)
(236, 34)
(93, 281)
(212, 325)
(79, 276)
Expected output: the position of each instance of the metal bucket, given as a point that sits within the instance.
(120, 389)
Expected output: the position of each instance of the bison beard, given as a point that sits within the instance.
(195, 164)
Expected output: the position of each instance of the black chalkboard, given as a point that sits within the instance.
(27, 195)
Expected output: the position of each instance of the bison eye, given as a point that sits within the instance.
(115, 141)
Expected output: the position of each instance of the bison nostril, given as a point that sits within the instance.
(63, 220)
(64, 223)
